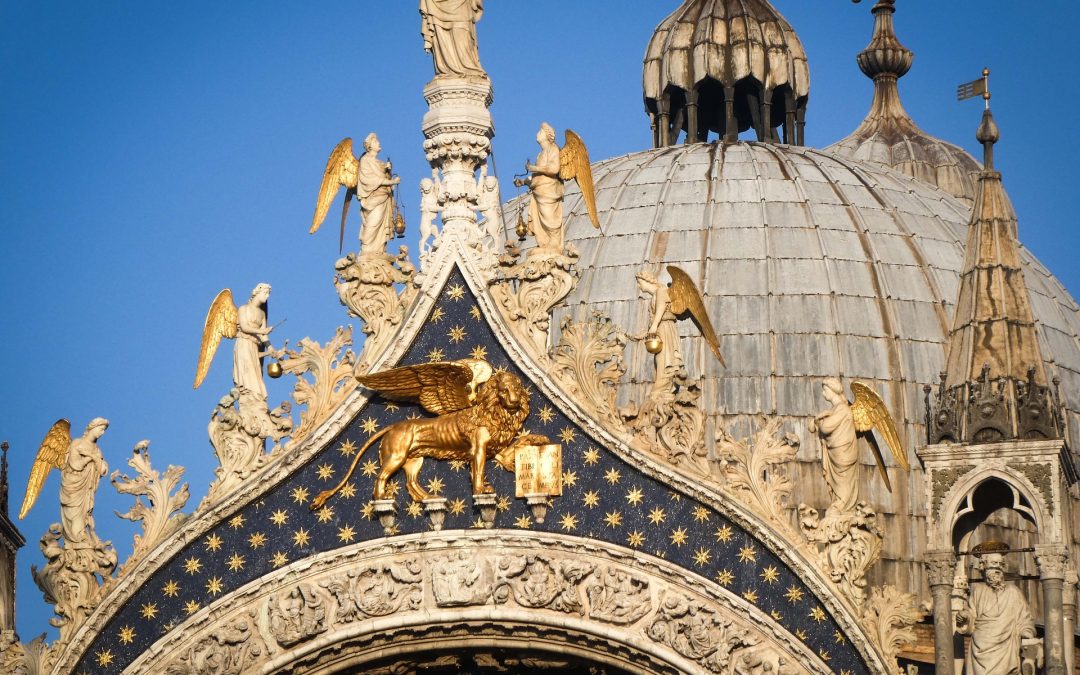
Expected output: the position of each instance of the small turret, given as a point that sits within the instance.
(10, 543)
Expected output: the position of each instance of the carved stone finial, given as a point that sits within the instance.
(161, 516)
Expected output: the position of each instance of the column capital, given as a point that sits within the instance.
(1052, 561)
(940, 567)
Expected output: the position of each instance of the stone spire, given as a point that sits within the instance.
(888, 136)
(994, 387)
(10, 543)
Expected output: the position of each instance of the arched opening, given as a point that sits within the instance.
(478, 661)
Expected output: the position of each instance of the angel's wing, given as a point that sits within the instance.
(574, 165)
(51, 454)
(685, 297)
(221, 321)
(440, 388)
(341, 169)
(869, 412)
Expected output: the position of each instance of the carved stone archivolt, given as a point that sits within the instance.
(552, 584)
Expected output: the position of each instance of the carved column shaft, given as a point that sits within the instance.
(1070, 619)
(1052, 561)
(940, 566)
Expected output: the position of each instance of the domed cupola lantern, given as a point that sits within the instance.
(726, 66)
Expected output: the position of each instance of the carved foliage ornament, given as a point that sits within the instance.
(941, 482)
(589, 364)
(752, 470)
(161, 516)
(331, 370)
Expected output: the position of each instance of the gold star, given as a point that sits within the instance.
(479, 352)
(325, 514)
(325, 471)
(839, 637)
(678, 536)
(777, 616)
(478, 524)
(794, 594)
(702, 556)
(213, 542)
(801, 634)
(817, 614)
(634, 496)
(612, 476)
(214, 585)
(592, 456)
(437, 315)
(392, 489)
(474, 312)
(237, 521)
(747, 554)
(300, 495)
(701, 514)
(503, 504)
(348, 491)
(369, 425)
(567, 435)
(824, 655)
(436, 355)
(770, 574)
(278, 559)
(368, 511)
(192, 565)
(656, 516)
(724, 577)
(435, 485)
(635, 539)
(569, 522)
(149, 610)
(191, 606)
(845, 672)
(751, 596)
(171, 589)
(390, 406)
(456, 334)
(105, 658)
(456, 292)
(279, 517)
(370, 468)
(256, 540)
(457, 507)
(127, 635)
(569, 478)
(546, 414)
(346, 534)
(723, 534)
(457, 464)
(613, 519)
(347, 448)
(675, 496)
(301, 537)
(236, 562)
(524, 522)
(591, 498)
(414, 509)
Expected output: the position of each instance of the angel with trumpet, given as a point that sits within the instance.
(840, 428)
(246, 325)
(372, 182)
(547, 185)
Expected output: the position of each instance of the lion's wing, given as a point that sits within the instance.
(439, 388)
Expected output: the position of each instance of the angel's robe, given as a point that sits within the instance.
(546, 203)
(247, 366)
(841, 456)
(449, 31)
(83, 467)
(1002, 618)
(376, 204)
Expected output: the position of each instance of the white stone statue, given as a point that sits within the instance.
(83, 468)
(997, 618)
(375, 190)
(429, 210)
(252, 337)
(449, 31)
(546, 192)
(489, 203)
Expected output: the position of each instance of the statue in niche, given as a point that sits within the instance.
(246, 325)
(372, 182)
(840, 428)
(429, 210)
(449, 31)
(489, 203)
(997, 618)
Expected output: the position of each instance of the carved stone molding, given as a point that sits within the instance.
(942, 481)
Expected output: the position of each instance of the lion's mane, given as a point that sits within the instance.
(489, 412)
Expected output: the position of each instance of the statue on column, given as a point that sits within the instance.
(449, 31)
(997, 618)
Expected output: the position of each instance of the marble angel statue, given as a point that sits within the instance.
(489, 203)
(245, 324)
(547, 185)
(371, 181)
(669, 303)
(840, 428)
(448, 28)
(81, 466)
(429, 210)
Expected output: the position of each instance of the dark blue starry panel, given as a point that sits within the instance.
(604, 498)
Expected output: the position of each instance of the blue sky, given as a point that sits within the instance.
(152, 154)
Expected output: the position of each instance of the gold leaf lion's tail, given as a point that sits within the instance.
(324, 496)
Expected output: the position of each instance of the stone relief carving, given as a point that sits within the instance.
(538, 581)
(529, 289)
(762, 660)
(331, 369)
(942, 481)
(618, 597)
(366, 287)
(849, 543)
(297, 616)
(31, 658)
(161, 516)
(376, 590)
(888, 619)
(752, 470)
(459, 580)
(233, 649)
(697, 632)
(588, 364)
(1042, 477)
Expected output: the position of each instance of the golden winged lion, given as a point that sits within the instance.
(479, 416)
(840, 428)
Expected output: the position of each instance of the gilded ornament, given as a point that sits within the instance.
(653, 344)
(274, 370)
